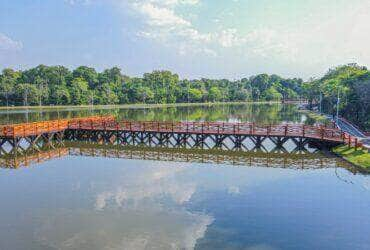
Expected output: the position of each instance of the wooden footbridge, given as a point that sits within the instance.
(208, 135)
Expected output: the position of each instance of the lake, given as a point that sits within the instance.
(83, 196)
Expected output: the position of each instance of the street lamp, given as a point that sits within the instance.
(338, 101)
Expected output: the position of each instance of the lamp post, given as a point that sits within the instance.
(338, 101)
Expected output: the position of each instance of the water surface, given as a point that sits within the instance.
(106, 198)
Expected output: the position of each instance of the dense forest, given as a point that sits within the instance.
(351, 83)
(57, 85)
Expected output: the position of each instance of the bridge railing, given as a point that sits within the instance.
(318, 132)
(38, 128)
(109, 123)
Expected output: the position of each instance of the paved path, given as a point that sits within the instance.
(349, 128)
(352, 130)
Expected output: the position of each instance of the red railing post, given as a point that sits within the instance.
(322, 133)
(286, 130)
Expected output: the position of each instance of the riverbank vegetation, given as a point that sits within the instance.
(57, 85)
(351, 83)
(358, 157)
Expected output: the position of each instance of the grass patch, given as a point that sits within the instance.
(358, 157)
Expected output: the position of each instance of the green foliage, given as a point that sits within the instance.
(28, 92)
(358, 157)
(60, 95)
(214, 94)
(352, 83)
(271, 94)
(195, 95)
(57, 85)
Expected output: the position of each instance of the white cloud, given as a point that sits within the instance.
(173, 2)
(163, 24)
(8, 44)
(320, 40)
(160, 16)
(229, 38)
(326, 40)
(73, 2)
(233, 190)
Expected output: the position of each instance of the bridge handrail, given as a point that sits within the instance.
(286, 129)
(243, 128)
(37, 128)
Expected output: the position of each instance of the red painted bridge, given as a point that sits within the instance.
(107, 128)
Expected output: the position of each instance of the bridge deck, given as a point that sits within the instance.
(109, 124)
(217, 128)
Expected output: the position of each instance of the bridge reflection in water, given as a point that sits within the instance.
(297, 159)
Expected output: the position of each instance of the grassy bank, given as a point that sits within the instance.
(358, 157)
(131, 106)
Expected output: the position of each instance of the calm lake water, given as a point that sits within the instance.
(96, 197)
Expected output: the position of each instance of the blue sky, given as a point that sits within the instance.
(195, 38)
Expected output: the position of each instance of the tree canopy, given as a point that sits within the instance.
(57, 85)
(352, 84)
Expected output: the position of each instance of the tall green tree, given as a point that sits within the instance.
(79, 91)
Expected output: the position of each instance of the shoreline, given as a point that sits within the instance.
(359, 158)
(136, 105)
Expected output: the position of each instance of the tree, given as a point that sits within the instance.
(60, 95)
(214, 94)
(165, 85)
(195, 95)
(58, 85)
(107, 94)
(271, 94)
(79, 91)
(145, 94)
(352, 83)
(28, 93)
(88, 74)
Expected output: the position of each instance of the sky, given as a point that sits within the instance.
(194, 38)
